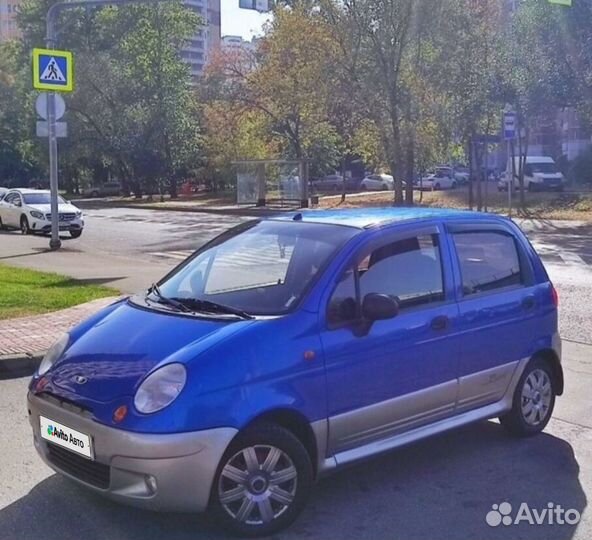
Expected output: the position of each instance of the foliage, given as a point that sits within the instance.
(133, 110)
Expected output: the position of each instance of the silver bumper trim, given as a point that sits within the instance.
(172, 472)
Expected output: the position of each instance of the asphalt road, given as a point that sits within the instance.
(436, 489)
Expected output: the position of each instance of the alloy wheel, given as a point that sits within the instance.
(258, 484)
(536, 397)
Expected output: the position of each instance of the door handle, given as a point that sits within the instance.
(440, 322)
(528, 302)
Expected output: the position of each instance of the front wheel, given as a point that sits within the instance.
(75, 234)
(25, 225)
(533, 401)
(262, 483)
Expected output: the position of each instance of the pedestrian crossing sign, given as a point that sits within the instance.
(53, 70)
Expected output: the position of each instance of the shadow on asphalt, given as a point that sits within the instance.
(439, 489)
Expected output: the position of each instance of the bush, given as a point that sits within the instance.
(580, 171)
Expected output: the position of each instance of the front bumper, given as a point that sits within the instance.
(44, 225)
(172, 472)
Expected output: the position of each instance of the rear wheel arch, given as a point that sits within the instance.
(296, 423)
(550, 356)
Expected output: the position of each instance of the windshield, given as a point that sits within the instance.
(40, 198)
(545, 168)
(262, 268)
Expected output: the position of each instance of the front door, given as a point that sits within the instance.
(402, 372)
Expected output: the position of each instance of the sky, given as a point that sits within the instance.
(240, 22)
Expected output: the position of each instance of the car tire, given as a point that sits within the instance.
(75, 234)
(533, 400)
(436, 187)
(94, 194)
(1, 225)
(453, 185)
(245, 498)
(25, 229)
(384, 187)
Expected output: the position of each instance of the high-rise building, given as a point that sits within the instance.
(207, 38)
(8, 27)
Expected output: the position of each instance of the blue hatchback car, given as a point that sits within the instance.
(289, 347)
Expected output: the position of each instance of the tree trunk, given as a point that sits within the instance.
(410, 170)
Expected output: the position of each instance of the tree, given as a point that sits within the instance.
(19, 158)
(287, 86)
(133, 107)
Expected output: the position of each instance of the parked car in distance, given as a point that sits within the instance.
(334, 183)
(292, 346)
(540, 174)
(438, 180)
(109, 189)
(377, 182)
(30, 211)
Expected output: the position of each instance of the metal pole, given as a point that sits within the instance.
(55, 242)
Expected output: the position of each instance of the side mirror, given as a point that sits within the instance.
(379, 307)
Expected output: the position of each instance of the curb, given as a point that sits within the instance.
(13, 366)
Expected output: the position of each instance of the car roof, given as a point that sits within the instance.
(24, 191)
(369, 217)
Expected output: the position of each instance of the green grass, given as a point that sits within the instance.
(28, 292)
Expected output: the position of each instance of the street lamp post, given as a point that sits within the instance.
(51, 42)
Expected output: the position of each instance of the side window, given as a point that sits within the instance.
(409, 270)
(343, 306)
(488, 260)
(11, 198)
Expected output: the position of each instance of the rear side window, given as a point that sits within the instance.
(488, 260)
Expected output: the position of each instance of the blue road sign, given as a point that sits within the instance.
(52, 70)
(510, 126)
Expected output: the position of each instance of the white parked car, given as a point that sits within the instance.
(30, 211)
(378, 182)
(438, 181)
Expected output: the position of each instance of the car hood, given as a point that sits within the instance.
(46, 208)
(110, 356)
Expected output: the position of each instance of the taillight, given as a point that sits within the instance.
(554, 296)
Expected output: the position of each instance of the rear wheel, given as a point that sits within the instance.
(262, 483)
(25, 225)
(1, 225)
(533, 401)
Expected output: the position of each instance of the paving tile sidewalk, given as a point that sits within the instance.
(29, 336)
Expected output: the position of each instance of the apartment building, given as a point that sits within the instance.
(8, 27)
(207, 39)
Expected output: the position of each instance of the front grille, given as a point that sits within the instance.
(91, 472)
(62, 217)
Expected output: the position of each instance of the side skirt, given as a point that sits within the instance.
(396, 441)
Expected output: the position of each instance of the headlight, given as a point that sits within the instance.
(37, 215)
(160, 388)
(53, 354)
(79, 214)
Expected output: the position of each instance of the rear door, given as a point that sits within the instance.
(402, 372)
(498, 310)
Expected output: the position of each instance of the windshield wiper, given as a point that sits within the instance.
(162, 299)
(212, 307)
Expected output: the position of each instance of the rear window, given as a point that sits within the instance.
(488, 260)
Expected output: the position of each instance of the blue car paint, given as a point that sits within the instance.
(237, 370)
